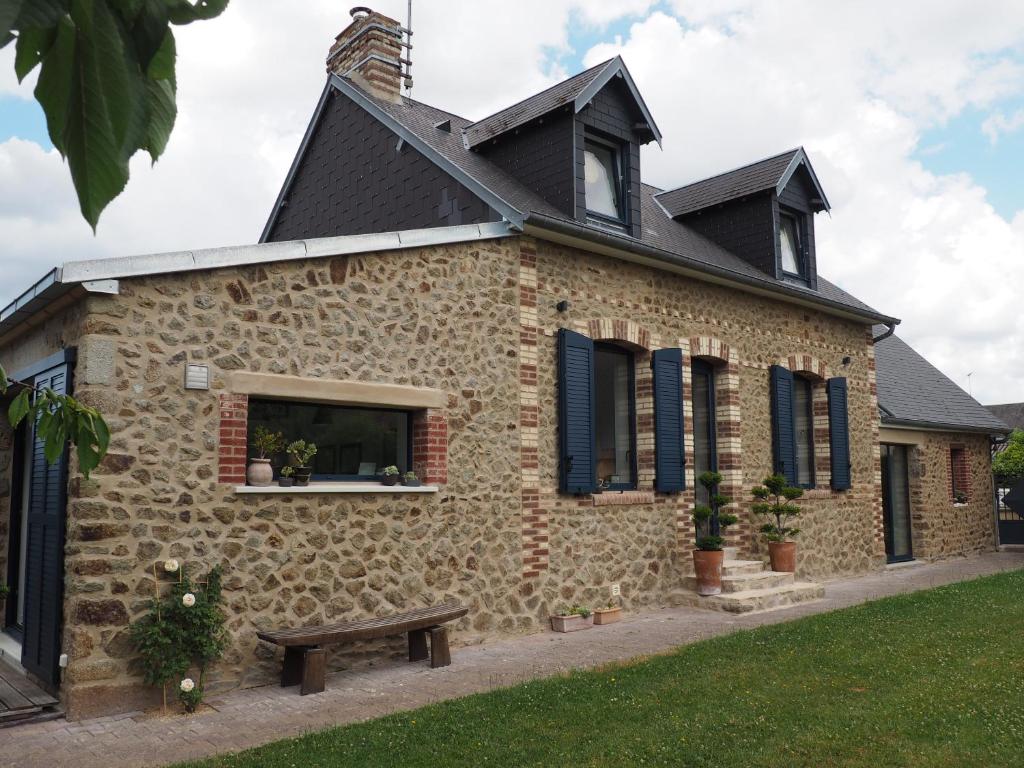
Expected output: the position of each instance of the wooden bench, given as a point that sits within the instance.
(304, 660)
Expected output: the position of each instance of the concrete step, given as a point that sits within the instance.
(750, 600)
(747, 581)
(741, 567)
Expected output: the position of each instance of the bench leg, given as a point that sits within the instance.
(314, 671)
(440, 656)
(291, 673)
(417, 645)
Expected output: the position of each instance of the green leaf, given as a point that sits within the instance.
(149, 31)
(33, 44)
(161, 108)
(20, 407)
(184, 12)
(41, 14)
(9, 11)
(53, 91)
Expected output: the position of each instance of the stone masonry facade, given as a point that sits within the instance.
(477, 321)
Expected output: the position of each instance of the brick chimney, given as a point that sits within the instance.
(369, 52)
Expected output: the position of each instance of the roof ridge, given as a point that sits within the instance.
(743, 167)
(532, 96)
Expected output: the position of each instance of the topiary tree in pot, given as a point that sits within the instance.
(710, 521)
(774, 500)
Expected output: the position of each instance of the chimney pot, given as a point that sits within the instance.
(369, 53)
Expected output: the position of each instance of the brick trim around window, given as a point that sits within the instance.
(959, 474)
(233, 439)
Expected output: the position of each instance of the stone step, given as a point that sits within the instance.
(740, 567)
(751, 600)
(747, 581)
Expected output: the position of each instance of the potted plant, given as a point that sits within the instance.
(390, 475)
(410, 480)
(960, 497)
(572, 619)
(774, 499)
(710, 521)
(609, 614)
(286, 480)
(301, 453)
(266, 444)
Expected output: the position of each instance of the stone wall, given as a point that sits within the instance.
(940, 527)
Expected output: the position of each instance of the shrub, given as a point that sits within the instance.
(267, 443)
(301, 451)
(184, 629)
(709, 519)
(774, 500)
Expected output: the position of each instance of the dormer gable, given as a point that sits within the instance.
(762, 212)
(577, 145)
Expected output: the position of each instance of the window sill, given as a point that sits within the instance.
(336, 488)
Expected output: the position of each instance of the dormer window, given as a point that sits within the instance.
(603, 180)
(791, 244)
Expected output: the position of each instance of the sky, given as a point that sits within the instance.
(912, 114)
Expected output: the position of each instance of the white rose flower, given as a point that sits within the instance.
(187, 685)
(171, 566)
(188, 599)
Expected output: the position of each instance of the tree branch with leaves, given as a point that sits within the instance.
(59, 419)
(709, 519)
(106, 80)
(774, 500)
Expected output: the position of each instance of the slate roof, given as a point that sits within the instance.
(1011, 413)
(750, 179)
(659, 230)
(534, 106)
(912, 391)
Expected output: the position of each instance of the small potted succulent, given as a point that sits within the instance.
(410, 480)
(709, 521)
(266, 444)
(572, 619)
(608, 615)
(390, 475)
(287, 479)
(301, 452)
(774, 499)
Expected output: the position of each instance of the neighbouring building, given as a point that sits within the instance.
(504, 306)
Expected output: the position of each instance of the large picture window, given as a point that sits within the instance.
(803, 420)
(352, 443)
(791, 243)
(613, 409)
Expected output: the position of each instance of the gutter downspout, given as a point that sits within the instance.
(891, 329)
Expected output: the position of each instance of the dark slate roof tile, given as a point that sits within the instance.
(911, 390)
(1011, 413)
(748, 180)
(533, 107)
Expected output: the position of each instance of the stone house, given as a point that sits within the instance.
(556, 348)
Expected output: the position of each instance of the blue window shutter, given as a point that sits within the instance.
(839, 433)
(576, 412)
(44, 561)
(669, 451)
(783, 426)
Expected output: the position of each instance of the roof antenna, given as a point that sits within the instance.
(408, 55)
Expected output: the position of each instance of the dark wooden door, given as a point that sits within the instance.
(44, 561)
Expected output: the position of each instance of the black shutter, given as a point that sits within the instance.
(576, 412)
(669, 451)
(783, 426)
(839, 434)
(44, 562)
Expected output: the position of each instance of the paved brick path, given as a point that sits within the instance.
(250, 717)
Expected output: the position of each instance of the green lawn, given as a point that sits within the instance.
(930, 679)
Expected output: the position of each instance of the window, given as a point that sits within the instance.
(603, 179)
(613, 410)
(958, 475)
(803, 423)
(352, 443)
(705, 454)
(791, 243)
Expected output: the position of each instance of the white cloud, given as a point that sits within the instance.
(728, 82)
(998, 124)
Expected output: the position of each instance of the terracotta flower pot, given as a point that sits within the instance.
(607, 615)
(571, 623)
(707, 566)
(259, 473)
(783, 556)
